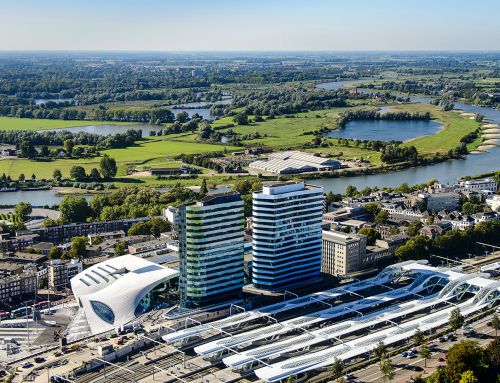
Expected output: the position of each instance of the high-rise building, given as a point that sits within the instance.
(342, 253)
(211, 249)
(286, 235)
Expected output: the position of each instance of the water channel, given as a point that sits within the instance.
(448, 171)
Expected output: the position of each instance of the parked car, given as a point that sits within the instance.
(27, 365)
(39, 359)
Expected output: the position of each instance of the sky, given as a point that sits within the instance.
(250, 25)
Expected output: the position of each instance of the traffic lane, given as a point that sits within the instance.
(405, 367)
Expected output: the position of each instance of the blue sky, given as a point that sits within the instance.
(224, 25)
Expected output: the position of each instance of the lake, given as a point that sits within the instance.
(386, 130)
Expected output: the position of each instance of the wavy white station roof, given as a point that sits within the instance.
(241, 318)
(117, 285)
(365, 344)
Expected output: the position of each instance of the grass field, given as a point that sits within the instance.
(455, 127)
(283, 132)
(147, 150)
(10, 123)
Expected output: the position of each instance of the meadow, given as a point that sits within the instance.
(12, 123)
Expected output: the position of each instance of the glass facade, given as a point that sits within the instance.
(211, 249)
(286, 235)
(103, 311)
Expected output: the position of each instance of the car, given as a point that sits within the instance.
(431, 344)
(348, 377)
(39, 359)
(489, 324)
(497, 309)
(413, 351)
(410, 355)
(442, 339)
(450, 336)
(27, 365)
(404, 354)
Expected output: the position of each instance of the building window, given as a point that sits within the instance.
(103, 311)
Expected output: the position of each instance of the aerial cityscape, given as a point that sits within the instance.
(250, 192)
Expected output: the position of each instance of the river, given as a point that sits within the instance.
(448, 171)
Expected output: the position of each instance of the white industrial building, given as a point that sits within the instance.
(114, 292)
(294, 162)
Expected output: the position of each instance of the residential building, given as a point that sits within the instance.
(438, 228)
(441, 201)
(17, 286)
(105, 236)
(342, 253)
(171, 214)
(59, 273)
(287, 221)
(44, 247)
(64, 233)
(383, 250)
(18, 242)
(480, 184)
(486, 216)
(211, 249)
(494, 202)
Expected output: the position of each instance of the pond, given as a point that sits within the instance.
(386, 130)
(35, 197)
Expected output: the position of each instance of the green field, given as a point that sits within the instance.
(11, 123)
(455, 127)
(147, 150)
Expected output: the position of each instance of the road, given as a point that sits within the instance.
(405, 368)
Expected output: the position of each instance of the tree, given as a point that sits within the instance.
(203, 188)
(120, 249)
(382, 217)
(241, 119)
(94, 174)
(55, 253)
(414, 228)
(78, 247)
(371, 234)
(464, 356)
(23, 210)
(154, 227)
(77, 173)
(44, 151)
(380, 349)
(418, 337)
(495, 323)
(372, 208)
(69, 145)
(74, 209)
(108, 167)
(386, 368)
(468, 377)
(350, 191)
(57, 175)
(456, 319)
(493, 353)
(21, 177)
(425, 352)
(337, 368)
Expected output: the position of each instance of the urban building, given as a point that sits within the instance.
(287, 221)
(114, 292)
(342, 253)
(441, 201)
(494, 202)
(64, 233)
(59, 273)
(171, 214)
(488, 184)
(99, 237)
(211, 249)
